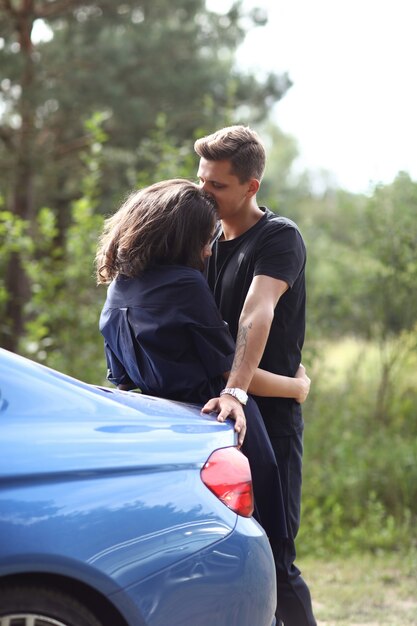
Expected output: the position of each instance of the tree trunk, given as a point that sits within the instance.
(22, 201)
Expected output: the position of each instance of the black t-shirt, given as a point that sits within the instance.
(273, 247)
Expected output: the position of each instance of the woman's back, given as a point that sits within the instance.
(164, 334)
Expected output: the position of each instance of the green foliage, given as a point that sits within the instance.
(131, 61)
(162, 159)
(62, 327)
(360, 478)
(280, 190)
(113, 76)
(390, 238)
(63, 312)
(360, 465)
(362, 264)
(14, 238)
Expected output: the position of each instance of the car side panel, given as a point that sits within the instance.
(127, 527)
(229, 584)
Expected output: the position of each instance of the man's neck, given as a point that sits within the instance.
(236, 225)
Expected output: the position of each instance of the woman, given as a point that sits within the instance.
(163, 332)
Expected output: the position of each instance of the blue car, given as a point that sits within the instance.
(119, 509)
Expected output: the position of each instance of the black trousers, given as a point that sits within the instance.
(294, 600)
(267, 489)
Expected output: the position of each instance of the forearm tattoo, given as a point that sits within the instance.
(241, 343)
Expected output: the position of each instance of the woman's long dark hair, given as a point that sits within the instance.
(166, 223)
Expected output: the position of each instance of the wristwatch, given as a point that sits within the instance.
(237, 393)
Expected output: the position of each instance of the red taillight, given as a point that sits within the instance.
(227, 474)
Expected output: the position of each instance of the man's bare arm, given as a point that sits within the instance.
(254, 326)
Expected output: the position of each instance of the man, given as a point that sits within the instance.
(256, 273)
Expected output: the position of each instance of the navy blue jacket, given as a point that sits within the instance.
(166, 322)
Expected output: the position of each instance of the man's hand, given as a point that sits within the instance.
(228, 406)
(304, 384)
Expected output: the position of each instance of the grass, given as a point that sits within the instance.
(352, 448)
(351, 353)
(363, 590)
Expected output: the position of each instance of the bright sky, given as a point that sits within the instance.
(353, 105)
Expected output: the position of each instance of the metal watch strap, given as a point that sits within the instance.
(237, 393)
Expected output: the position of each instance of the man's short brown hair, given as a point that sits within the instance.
(238, 144)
